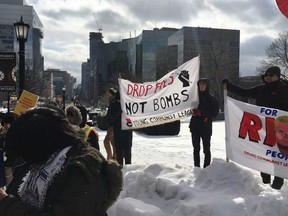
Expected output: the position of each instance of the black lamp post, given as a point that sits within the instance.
(21, 30)
(64, 97)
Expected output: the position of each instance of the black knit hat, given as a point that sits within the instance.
(273, 70)
(112, 91)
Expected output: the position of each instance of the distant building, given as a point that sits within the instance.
(58, 80)
(85, 75)
(10, 13)
(154, 53)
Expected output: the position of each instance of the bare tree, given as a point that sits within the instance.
(277, 54)
(221, 64)
(36, 81)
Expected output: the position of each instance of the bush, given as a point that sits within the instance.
(171, 128)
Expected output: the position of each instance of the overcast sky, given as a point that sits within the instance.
(67, 24)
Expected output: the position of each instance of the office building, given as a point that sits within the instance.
(10, 13)
(154, 53)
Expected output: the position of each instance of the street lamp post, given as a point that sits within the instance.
(64, 96)
(21, 30)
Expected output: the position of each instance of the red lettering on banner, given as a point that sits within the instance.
(250, 125)
(138, 90)
(129, 89)
(163, 83)
(270, 138)
(171, 78)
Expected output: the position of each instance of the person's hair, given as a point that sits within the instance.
(73, 115)
(84, 113)
(40, 132)
(280, 119)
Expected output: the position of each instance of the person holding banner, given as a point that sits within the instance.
(109, 138)
(201, 122)
(272, 94)
(122, 138)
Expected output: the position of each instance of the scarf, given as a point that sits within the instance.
(39, 178)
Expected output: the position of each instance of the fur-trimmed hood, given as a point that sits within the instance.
(74, 115)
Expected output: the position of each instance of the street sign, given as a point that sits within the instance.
(7, 71)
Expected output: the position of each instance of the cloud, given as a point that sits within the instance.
(252, 52)
(67, 24)
(250, 12)
(163, 10)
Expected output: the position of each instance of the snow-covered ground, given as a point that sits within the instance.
(162, 181)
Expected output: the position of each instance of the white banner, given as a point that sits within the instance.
(170, 98)
(251, 137)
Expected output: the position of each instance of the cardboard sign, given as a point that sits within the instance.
(27, 100)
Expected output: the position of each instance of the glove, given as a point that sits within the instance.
(196, 112)
(225, 81)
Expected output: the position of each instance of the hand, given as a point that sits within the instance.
(196, 112)
(3, 194)
(225, 81)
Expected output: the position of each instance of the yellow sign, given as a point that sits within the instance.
(27, 100)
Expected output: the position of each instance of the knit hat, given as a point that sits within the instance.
(112, 91)
(206, 81)
(84, 113)
(73, 115)
(273, 70)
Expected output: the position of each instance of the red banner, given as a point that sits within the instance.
(283, 6)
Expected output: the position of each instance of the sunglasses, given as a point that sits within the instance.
(270, 75)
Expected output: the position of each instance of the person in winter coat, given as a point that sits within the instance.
(2, 166)
(91, 135)
(10, 160)
(273, 94)
(201, 122)
(66, 175)
(73, 115)
(109, 137)
(122, 138)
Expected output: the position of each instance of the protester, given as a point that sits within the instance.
(73, 115)
(109, 138)
(201, 122)
(273, 94)
(2, 166)
(92, 136)
(10, 160)
(66, 176)
(122, 138)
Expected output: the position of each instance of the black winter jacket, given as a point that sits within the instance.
(272, 95)
(209, 107)
(122, 138)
